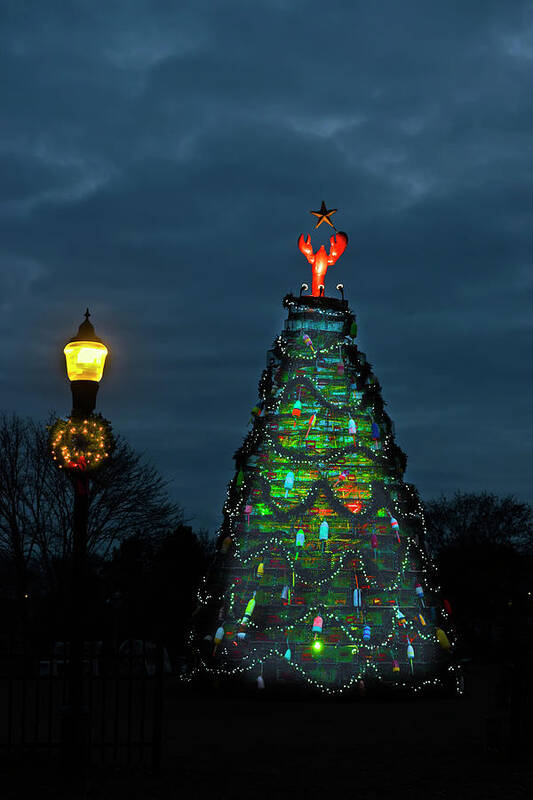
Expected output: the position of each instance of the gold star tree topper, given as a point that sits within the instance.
(324, 216)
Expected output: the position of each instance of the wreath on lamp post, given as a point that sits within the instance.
(81, 443)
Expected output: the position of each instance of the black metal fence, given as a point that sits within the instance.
(122, 702)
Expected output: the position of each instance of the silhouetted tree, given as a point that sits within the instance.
(153, 583)
(477, 519)
(483, 548)
(36, 500)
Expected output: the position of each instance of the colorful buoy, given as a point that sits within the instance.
(395, 526)
(311, 424)
(318, 622)
(248, 611)
(410, 655)
(308, 342)
(289, 482)
(219, 635)
(419, 591)
(443, 639)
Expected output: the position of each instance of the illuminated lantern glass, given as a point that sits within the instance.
(85, 354)
(85, 360)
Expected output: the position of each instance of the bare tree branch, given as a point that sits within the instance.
(126, 496)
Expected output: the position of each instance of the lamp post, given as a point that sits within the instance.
(85, 356)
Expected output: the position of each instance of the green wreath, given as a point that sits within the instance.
(81, 443)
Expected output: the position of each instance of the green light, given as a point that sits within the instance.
(262, 510)
(317, 646)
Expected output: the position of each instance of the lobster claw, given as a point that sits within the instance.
(306, 247)
(338, 245)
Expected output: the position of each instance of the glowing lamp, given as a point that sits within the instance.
(85, 355)
(317, 645)
(85, 360)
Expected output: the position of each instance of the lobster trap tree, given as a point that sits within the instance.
(321, 573)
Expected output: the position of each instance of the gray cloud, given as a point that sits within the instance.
(157, 161)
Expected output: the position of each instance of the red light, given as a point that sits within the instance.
(320, 261)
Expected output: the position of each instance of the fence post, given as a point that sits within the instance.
(157, 733)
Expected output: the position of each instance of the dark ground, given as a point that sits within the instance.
(222, 748)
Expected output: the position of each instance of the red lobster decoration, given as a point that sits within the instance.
(320, 261)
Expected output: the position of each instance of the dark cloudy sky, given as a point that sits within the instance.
(158, 161)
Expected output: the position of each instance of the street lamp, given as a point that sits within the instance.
(79, 445)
